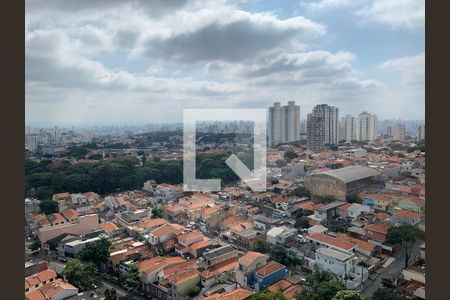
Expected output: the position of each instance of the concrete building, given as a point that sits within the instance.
(284, 123)
(281, 235)
(72, 249)
(367, 127)
(315, 133)
(398, 132)
(348, 124)
(330, 116)
(421, 132)
(334, 261)
(83, 225)
(340, 183)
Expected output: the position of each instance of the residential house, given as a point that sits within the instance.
(56, 290)
(225, 270)
(288, 288)
(281, 235)
(36, 281)
(165, 233)
(187, 239)
(406, 217)
(376, 232)
(248, 264)
(269, 274)
(379, 202)
(337, 262)
(356, 209)
(236, 294)
(412, 203)
(321, 240)
(215, 256)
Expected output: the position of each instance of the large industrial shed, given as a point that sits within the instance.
(343, 182)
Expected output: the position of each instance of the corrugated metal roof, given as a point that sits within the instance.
(352, 173)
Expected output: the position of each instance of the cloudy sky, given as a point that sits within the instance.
(138, 62)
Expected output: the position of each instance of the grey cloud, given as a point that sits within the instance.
(152, 8)
(234, 41)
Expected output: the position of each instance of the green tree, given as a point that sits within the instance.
(35, 245)
(48, 207)
(290, 154)
(262, 246)
(406, 235)
(347, 295)
(96, 252)
(280, 163)
(301, 222)
(267, 295)
(157, 212)
(110, 294)
(52, 244)
(322, 285)
(387, 294)
(301, 191)
(131, 278)
(78, 274)
(193, 292)
(354, 199)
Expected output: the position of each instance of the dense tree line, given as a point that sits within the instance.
(46, 177)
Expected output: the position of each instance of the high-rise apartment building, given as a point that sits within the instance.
(421, 132)
(323, 127)
(398, 132)
(330, 115)
(284, 123)
(348, 129)
(367, 127)
(315, 132)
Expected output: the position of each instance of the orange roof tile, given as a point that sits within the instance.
(183, 275)
(359, 243)
(329, 240)
(56, 218)
(268, 269)
(70, 213)
(200, 245)
(109, 227)
(290, 292)
(35, 295)
(231, 220)
(280, 285)
(219, 268)
(249, 257)
(153, 264)
(189, 235)
(152, 223)
(378, 227)
(41, 276)
(407, 214)
(236, 294)
(168, 228)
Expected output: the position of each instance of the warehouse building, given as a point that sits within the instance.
(340, 183)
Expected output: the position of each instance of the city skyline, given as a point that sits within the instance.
(134, 63)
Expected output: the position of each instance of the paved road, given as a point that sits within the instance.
(120, 292)
(393, 270)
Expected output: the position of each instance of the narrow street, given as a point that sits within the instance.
(393, 270)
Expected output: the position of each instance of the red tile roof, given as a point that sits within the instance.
(236, 294)
(408, 215)
(378, 227)
(219, 268)
(332, 241)
(270, 268)
(70, 214)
